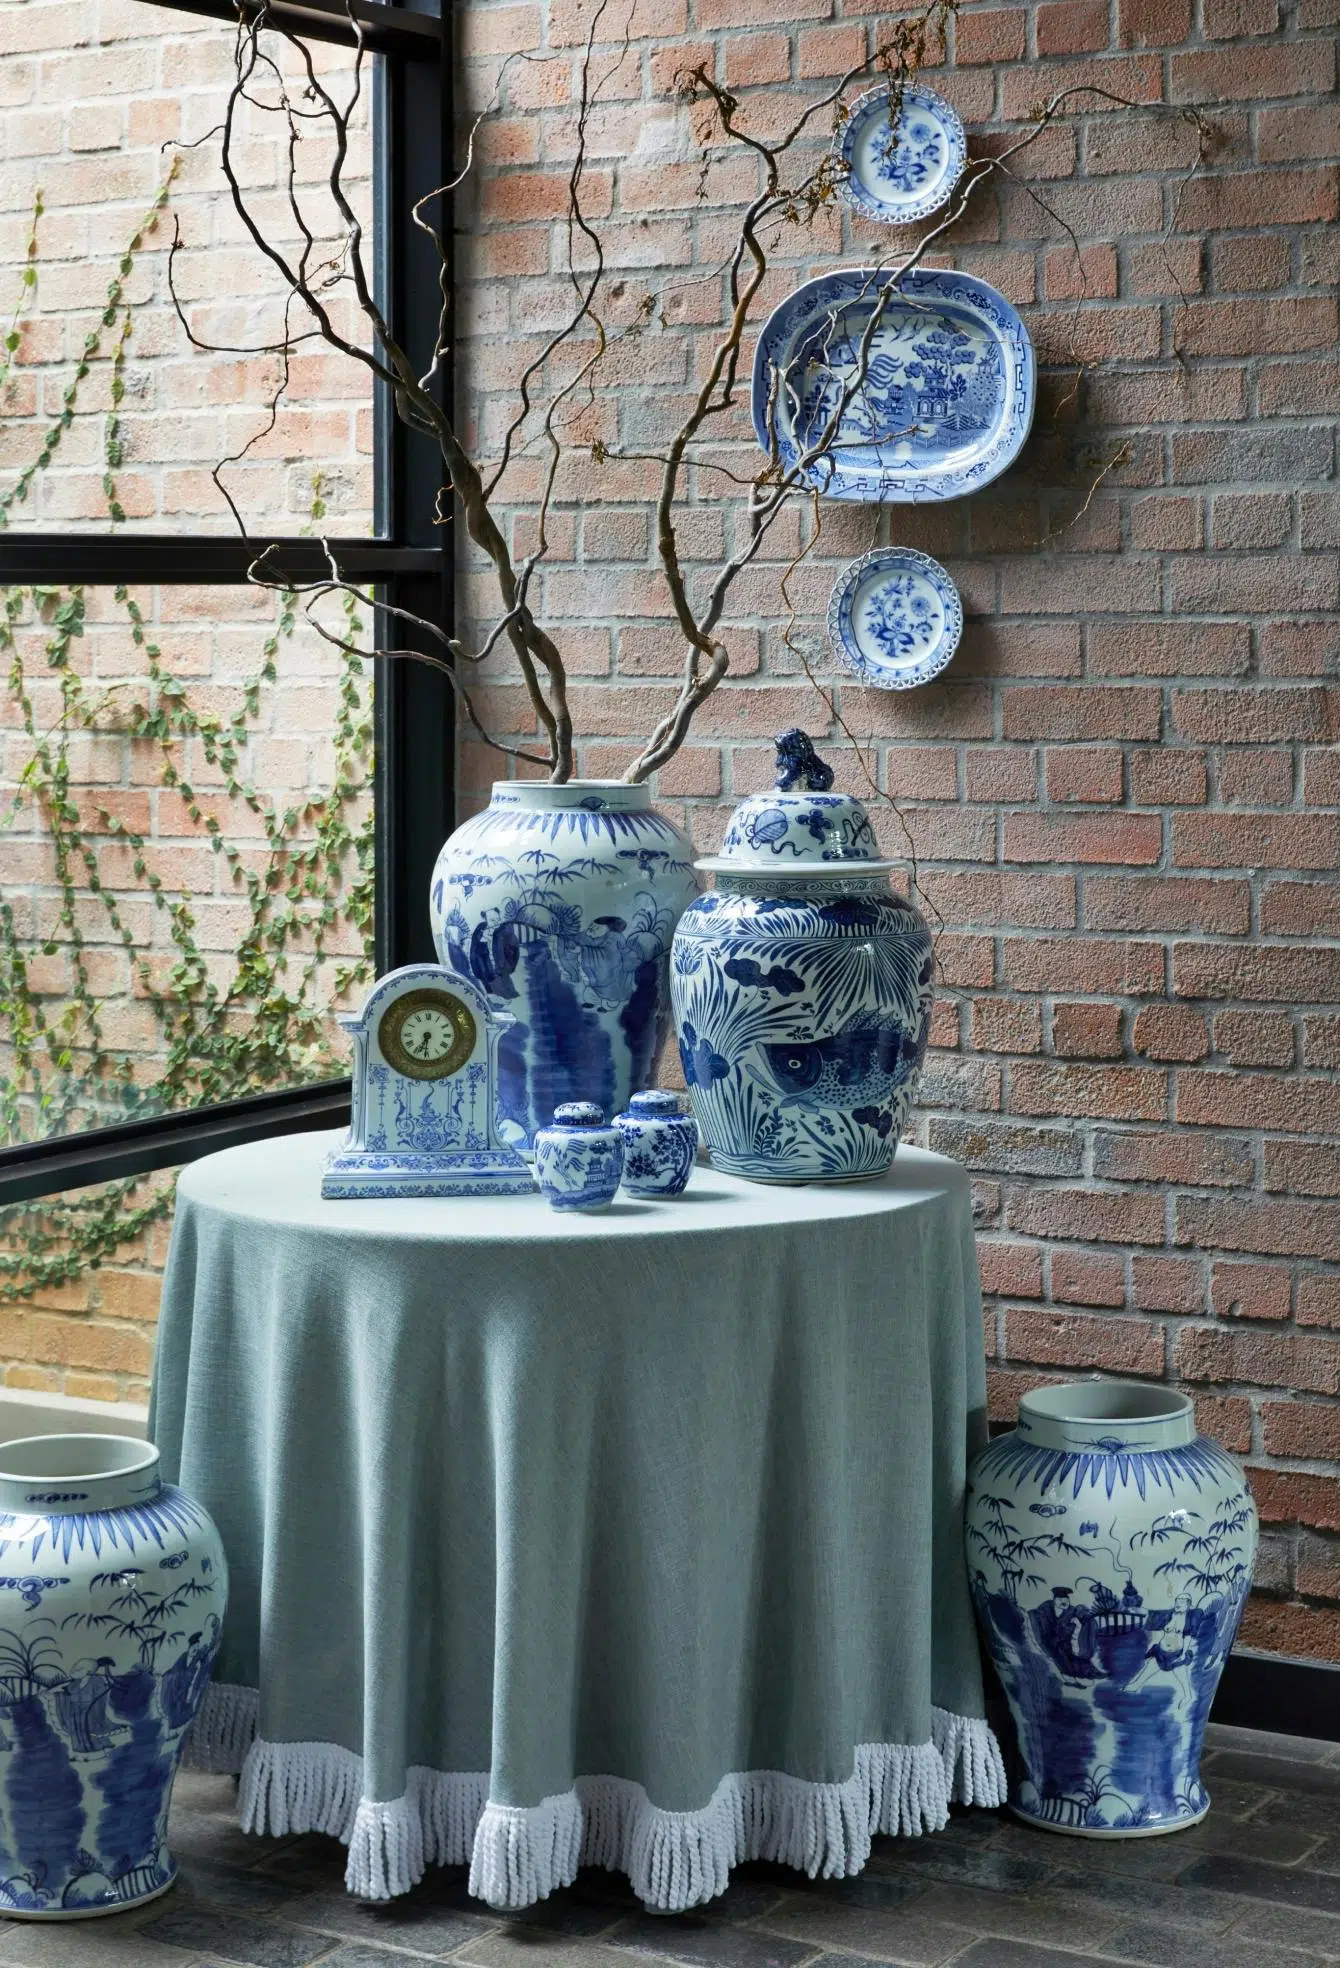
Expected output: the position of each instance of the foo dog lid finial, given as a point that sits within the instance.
(802, 828)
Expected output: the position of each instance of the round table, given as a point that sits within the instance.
(630, 1539)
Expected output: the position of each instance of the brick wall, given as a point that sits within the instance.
(1125, 795)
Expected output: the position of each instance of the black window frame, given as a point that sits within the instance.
(408, 564)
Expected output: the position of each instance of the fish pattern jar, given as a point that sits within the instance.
(802, 987)
(660, 1143)
(579, 1159)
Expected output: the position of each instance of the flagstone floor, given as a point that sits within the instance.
(1257, 1885)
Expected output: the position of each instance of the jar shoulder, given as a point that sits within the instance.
(825, 917)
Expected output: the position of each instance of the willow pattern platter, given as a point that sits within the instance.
(895, 618)
(941, 404)
(900, 165)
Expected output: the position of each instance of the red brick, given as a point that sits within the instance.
(752, 59)
(1244, 327)
(1164, 522)
(1152, 23)
(1255, 1038)
(1087, 1031)
(1269, 1229)
(1000, 773)
(1006, 1025)
(1128, 839)
(1171, 1032)
(1130, 1093)
(1168, 902)
(1298, 68)
(1308, 1168)
(1227, 20)
(1256, 840)
(989, 34)
(1319, 1300)
(1167, 1284)
(1086, 712)
(1125, 649)
(1066, 1339)
(1250, 1291)
(1071, 27)
(1227, 1420)
(1286, 1627)
(1261, 716)
(1251, 262)
(1086, 1278)
(1010, 1270)
(1045, 963)
(1198, 1161)
(1256, 778)
(1089, 773)
(831, 50)
(1284, 1497)
(1168, 776)
(1297, 908)
(1264, 973)
(1301, 130)
(1088, 1215)
(1321, 1041)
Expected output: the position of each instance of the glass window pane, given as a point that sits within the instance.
(105, 122)
(186, 851)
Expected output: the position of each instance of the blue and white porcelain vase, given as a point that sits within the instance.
(1110, 1552)
(578, 1158)
(111, 1605)
(660, 1144)
(560, 901)
(802, 987)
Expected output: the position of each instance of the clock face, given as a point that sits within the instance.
(427, 1034)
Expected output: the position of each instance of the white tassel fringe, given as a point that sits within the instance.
(674, 1859)
(223, 1731)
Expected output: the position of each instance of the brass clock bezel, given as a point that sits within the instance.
(392, 1021)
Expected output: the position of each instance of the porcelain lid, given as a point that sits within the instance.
(802, 828)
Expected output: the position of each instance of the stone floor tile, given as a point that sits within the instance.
(1039, 1917)
(562, 1913)
(1160, 1945)
(1295, 1927)
(413, 1920)
(1319, 1812)
(203, 1882)
(1167, 1858)
(525, 1949)
(239, 1937)
(1001, 1872)
(1128, 1897)
(1275, 1773)
(311, 1861)
(691, 1939)
(1260, 1742)
(1020, 1954)
(359, 1954)
(1232, 1799)
(113, 1942)
(881, 1890)
(887, 1933)
(1291, 1885)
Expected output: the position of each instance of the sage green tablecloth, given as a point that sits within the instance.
(630, 1539)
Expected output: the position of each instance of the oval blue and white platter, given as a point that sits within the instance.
(900, 166)
(947, 396)
(895, 618)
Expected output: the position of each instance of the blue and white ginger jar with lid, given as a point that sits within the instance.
(660, 1144)
(1109, 1552)
(578, 1158)
(802, 987)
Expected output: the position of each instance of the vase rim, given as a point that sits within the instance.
(600, 794)
(1098, 1412)
(71, 1475)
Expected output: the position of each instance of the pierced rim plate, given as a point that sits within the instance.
(904, 170)
(948, 387)
(895, 618)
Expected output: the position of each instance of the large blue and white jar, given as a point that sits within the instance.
(560, 902)
(802, 987)
(113, 1587)
(1110, 1552)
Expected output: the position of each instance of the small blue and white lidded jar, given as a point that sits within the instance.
(802, 987)
(579, 1159)
(660, 1143)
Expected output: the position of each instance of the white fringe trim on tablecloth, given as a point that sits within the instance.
(520, 1854)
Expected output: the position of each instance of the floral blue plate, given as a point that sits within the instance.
(947, 396)
(900, 168)
(895, 618)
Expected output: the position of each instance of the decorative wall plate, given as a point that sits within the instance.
(947, 397)
(895, 618)
(900, 167)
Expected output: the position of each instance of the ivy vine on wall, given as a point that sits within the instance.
(255, 1017)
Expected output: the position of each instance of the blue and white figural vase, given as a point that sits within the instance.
(802, 987)
(113, 1587)
(1110, 1552)
(560, 902)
